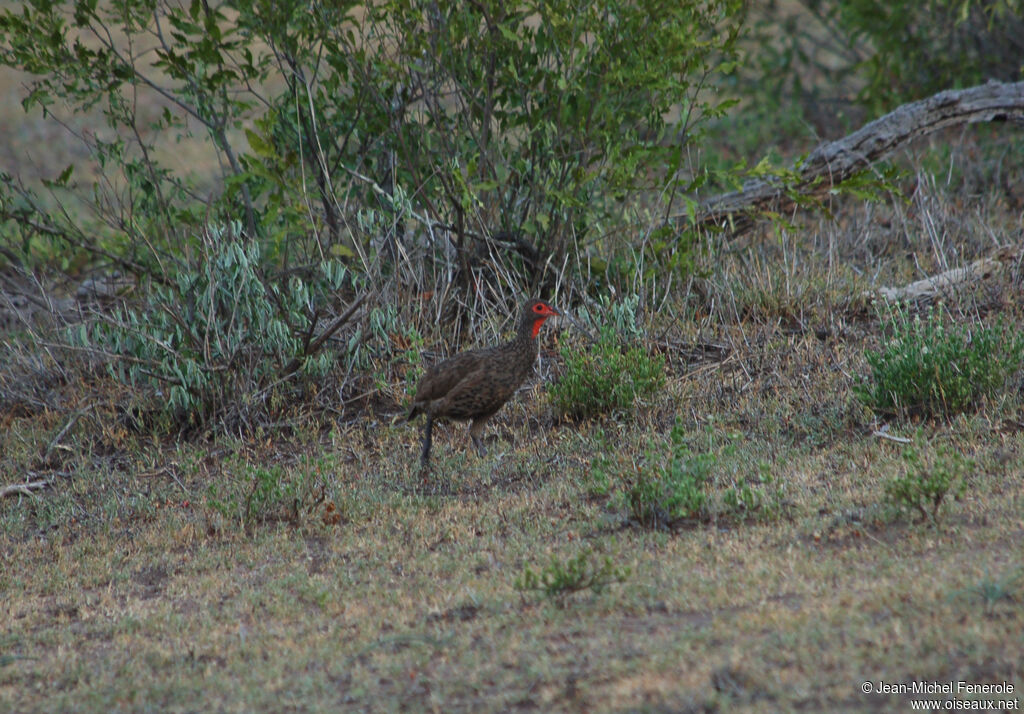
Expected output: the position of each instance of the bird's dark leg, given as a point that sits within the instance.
(425, 454)
(480, 448)
(475, 429)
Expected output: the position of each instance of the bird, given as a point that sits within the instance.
(475, 384)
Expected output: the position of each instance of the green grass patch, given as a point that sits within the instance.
(671, 483)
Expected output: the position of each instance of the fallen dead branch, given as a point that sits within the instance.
(883, 433)
(833, 163)
(24, 489)
(951, 280)
(55, 442)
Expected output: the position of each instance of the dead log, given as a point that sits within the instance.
(946, 283)
(832, 163)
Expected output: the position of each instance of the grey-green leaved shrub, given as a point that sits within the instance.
(220, 339)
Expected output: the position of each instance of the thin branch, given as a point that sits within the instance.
(24, 489)
(325, 335)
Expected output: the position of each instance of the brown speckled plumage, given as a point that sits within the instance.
(476, 384)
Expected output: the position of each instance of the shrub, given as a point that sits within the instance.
(927, 480)
(933, 369)
(439, 117)
(219, 339)
(606, 376)
(248, 495)
(672, 484)
(582, 572)
(671, 487)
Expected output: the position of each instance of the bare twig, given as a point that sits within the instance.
(24, 489)
(883, 433)
(326, 334)
(571, 320)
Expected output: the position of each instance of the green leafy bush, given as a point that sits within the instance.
(672, 484)
(606, 376)
(927, 480)
(928, 367)
(582, 572)
(439, 117)
(248, 495)
(218, 340)
(602, 378)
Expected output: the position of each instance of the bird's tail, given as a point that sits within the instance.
(414, 412)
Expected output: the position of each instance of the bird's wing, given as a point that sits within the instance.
(440, 379)
(480, 392)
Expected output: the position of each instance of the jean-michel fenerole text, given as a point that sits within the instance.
(881, 687)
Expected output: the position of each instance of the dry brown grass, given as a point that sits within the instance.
(124, 589)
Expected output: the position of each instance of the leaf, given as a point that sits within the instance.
(260, 146)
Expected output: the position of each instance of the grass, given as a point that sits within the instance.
(315, 569)
(127, 588)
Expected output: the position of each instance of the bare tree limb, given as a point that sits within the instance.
(932, 287)
(23, 489)
(833, 163)
(312, 348)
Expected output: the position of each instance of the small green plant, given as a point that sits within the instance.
(606, 376)
(258, 494)
(990, 591)
(670, 487)
(581, 572)
(753, 497)
(672, 484)
(934, 369)
(598, 480)
(927, 480)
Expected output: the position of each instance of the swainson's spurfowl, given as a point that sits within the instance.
(476, 384)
